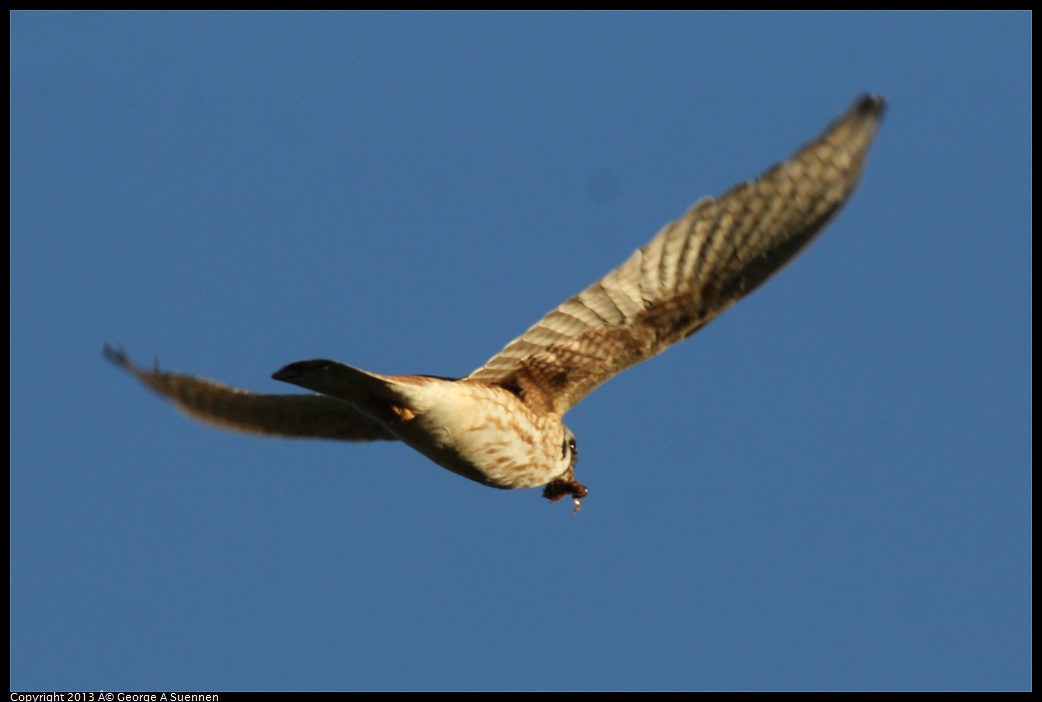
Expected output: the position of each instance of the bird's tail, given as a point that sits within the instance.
(338, 380)
(383, 397)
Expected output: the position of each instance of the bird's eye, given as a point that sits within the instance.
(568, 445)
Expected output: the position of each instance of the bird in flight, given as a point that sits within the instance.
(501, 425)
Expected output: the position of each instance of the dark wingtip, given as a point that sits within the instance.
(116, 356)
(119, 357)
(870, 105)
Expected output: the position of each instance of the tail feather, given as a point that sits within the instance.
(338, 380)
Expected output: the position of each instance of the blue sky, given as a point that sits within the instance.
(827, 488)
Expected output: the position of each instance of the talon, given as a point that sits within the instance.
(556, 489)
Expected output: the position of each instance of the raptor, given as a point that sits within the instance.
(502, 424)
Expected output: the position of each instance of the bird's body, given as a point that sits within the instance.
(477, 429)
(501, 425)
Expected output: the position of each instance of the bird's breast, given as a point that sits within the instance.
(481, 432)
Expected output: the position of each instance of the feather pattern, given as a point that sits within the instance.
(694, 269)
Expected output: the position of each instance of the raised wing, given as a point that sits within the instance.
(291, 416)
(693, 270)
